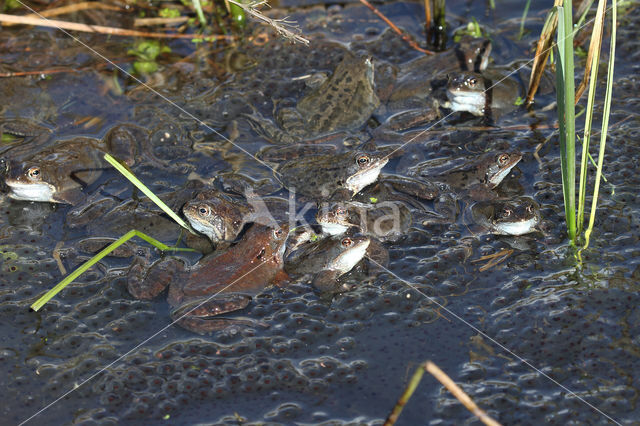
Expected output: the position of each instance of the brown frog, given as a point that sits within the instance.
(221, 282)
(386, 220)
(61, 172)
(221, 216)
(474, 180)
(328, 259)
(343, 102)
(415, 99)
(517, 216)
(322, 177)
(489, 94)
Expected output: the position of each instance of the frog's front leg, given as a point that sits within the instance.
(201, 315)
(144, 282)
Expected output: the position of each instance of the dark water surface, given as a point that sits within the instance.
(348, 360)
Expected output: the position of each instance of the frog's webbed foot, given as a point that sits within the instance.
(201, 316)
(446, 210)
(144, 282)
(24, 128)
(378, 255)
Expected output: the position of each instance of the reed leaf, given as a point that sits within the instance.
(591, 66)
(142, 187)
(38, 304)
(565, 93)
(605, 123)
(524, 18)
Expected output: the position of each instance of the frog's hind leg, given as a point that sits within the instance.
(144, 282)
(202, 316)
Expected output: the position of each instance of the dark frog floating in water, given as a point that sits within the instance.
(488, 94)
(221, 216)
(343, 102)
(60, 172)
(57, 174)
(387, 220)
(221, 282)
(517, 216)
(328, 259)
(337, 175)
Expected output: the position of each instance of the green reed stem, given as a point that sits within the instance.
(449, 384)
(524, 18)
(605, 123)
(566, 115)
(198, 7)
(142, 187)
(95, 259)
(404, 398)
(594, 48)
(583, 9)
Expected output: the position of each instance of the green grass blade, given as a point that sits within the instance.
(583, 9)
(142, 187)
(198, 7)
(594, 58)
(38, 304)
(566, 115)
(524, 18)
(605, 124)
(404, 398)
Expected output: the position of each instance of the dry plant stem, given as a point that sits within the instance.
(447, 383)
(74, 26)
(147, 22)
(397, 30)
(85, 5)
(459, 393)
(43, 72)
(543, 49)
(594, 47)
(280, 25)
(428, 17)
(591, 71)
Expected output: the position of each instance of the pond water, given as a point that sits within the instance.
(535, 338)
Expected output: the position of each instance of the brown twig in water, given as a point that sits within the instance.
(494, 259)
(43, 72)
(428, 18)
(543, 49)
(148, 22)
(397, 30)
(594, 47)
(447, 383)
(74, 26)
(85, 5)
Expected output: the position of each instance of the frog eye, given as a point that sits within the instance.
(277, 233)
(529, 208)
(204, 210)
(503, 159)
(363, 160)
(506, 212)
(472, 81)
(346, 242)
(340, 211)
(34, 173)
